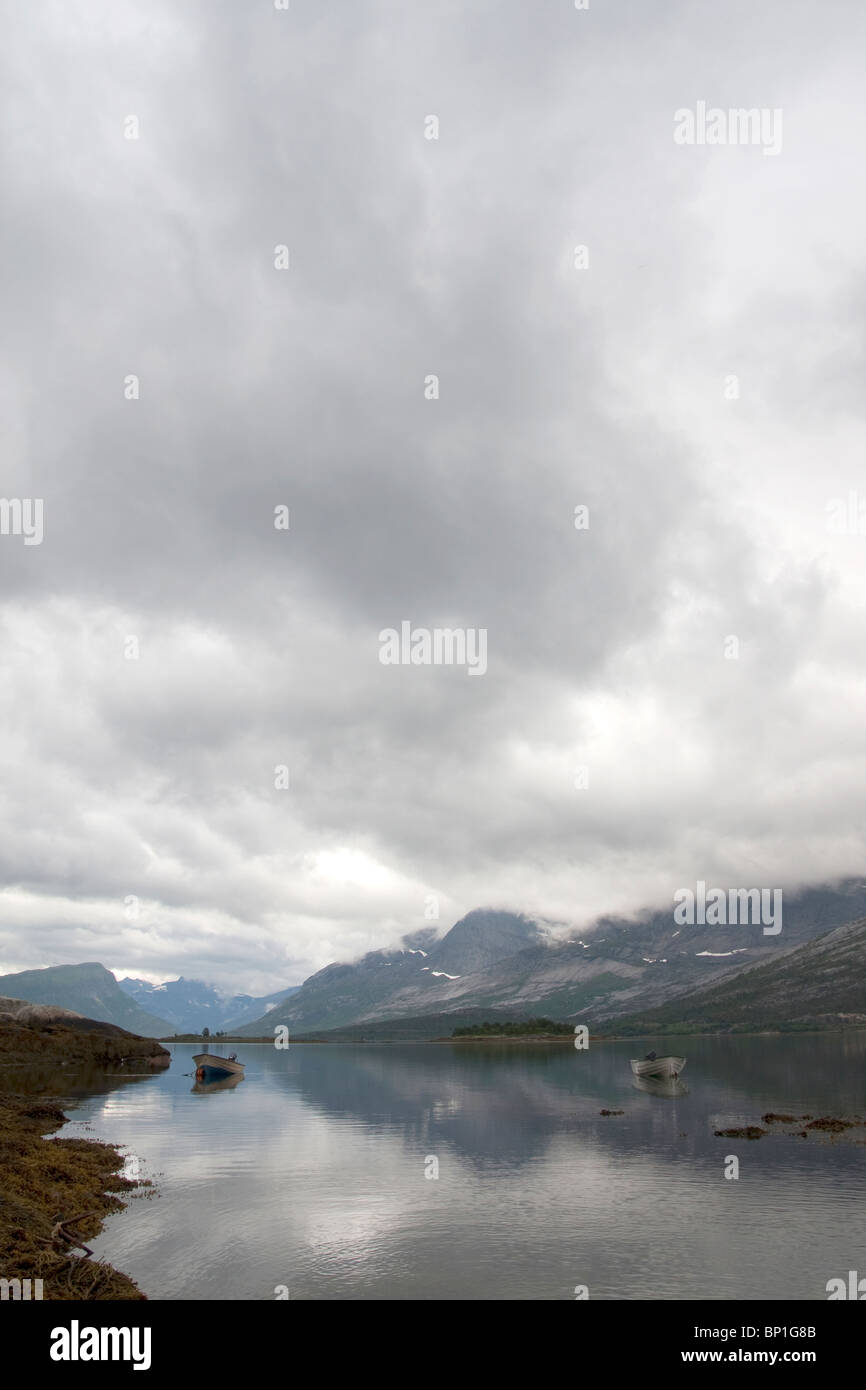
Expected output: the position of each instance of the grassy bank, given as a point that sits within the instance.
(21, 1046)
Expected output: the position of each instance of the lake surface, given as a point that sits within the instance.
(310, 1174)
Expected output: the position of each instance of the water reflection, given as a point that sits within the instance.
(318, 1173)
(207, 1088)
(67, 1084)
(660, 1085)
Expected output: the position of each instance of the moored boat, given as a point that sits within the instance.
(209, 1067)
(658, 1066)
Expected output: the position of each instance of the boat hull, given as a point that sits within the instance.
(216, 1068)
(228, 1083)
(659, 1066)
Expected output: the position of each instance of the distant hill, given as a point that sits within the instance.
(458, 1026)
(424, 1028)
(819, 985)
(501, 964)
(89, 990)
(191, 1005)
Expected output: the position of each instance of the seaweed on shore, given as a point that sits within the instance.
(56, 1194)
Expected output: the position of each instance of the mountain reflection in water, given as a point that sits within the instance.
(316, 1174)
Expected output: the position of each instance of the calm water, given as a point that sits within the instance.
(311, 1173)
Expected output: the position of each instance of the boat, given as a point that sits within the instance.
(208, 1067)
(658, 1066)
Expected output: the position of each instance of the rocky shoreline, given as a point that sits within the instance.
(57, 1192)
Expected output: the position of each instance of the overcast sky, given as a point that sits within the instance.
(140, 823)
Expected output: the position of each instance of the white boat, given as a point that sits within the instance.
(209, 1067)
(658, 1066)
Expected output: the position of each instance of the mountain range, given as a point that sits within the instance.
(499, 964)
(191, 1005)
(87, 989)
(620, 975)
(821, 984)
(152, 1011)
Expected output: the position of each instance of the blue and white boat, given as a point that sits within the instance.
(208, 1067)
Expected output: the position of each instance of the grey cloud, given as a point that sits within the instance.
(305, 387)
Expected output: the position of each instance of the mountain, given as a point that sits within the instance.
(410, 979)
(87, 989)
(191, 1005)
(248, 1008)
(622, 966)
(819, 985)
(499, 964)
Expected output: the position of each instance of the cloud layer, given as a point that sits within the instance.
(696, 383)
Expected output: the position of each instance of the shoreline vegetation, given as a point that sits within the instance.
(57, 1192)
(516, 1033)
(530, 1028)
